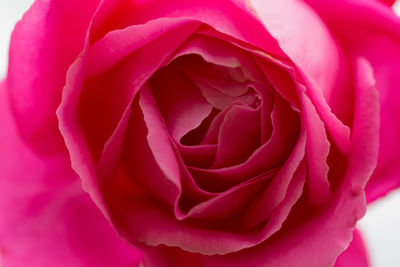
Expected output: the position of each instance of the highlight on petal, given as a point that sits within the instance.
(304, 37)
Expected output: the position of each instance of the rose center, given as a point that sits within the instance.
(208, 106)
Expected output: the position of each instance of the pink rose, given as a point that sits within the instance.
(196, 133)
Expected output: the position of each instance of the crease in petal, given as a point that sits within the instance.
(180, 102)
(157, 136)
(105, 97)
(222, 53)
(318, 148)
(74, 138)
(276, 191)
(140, 168)
(118, 44)
(239, 136)
(224, 16)
(268, 156)
(365, 134)
(309, 56)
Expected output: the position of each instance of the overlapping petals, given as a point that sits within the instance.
(207, 137)
(200, 137)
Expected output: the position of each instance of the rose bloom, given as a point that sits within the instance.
(197, 133)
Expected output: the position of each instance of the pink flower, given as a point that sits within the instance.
(202, 133)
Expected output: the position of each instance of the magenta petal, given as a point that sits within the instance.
(139, 170)
(355, 255)
(181, 103)
(365, 127)
(43, 46)
(212, 134)
(318, 241)
(200, 155)
(81, 160)
(161, 229)
(223, 15)
(239, 136)
(276, 191)
(309, 47)
(318, 148)
(105, 97)
(78, 139)
(158, 137)
(225, 210)
(118, 44)
(268, 156)
(46, 219)
(376, 38)
(303, 36)
(222, 53)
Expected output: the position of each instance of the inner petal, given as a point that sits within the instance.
(270, 155)
(179, 100)
(239, 136)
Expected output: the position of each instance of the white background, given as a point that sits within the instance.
(381, 225)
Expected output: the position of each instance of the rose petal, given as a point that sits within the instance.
(376, 39)
(106, 96)
(268, 156)
(355, 254)
(225, 210)
(223, 16)
(239, 136)
(201, 156)
(161, 228)
(118, 44)
(46, 221)
(317, 152)
(222, 53)
(43, 46)
(276, 191)
(303, 36)
(309, 49)
(158, 138)
(140, 161)
(148, 163)
(316, 241)
(181, 103)
(211, 137)
(82, 145)
(163, 256)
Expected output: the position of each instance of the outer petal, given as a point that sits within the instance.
(303, 36)
(46, 219)
(43, 45)
(355, 254)
(307, 41)
(375, 35)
